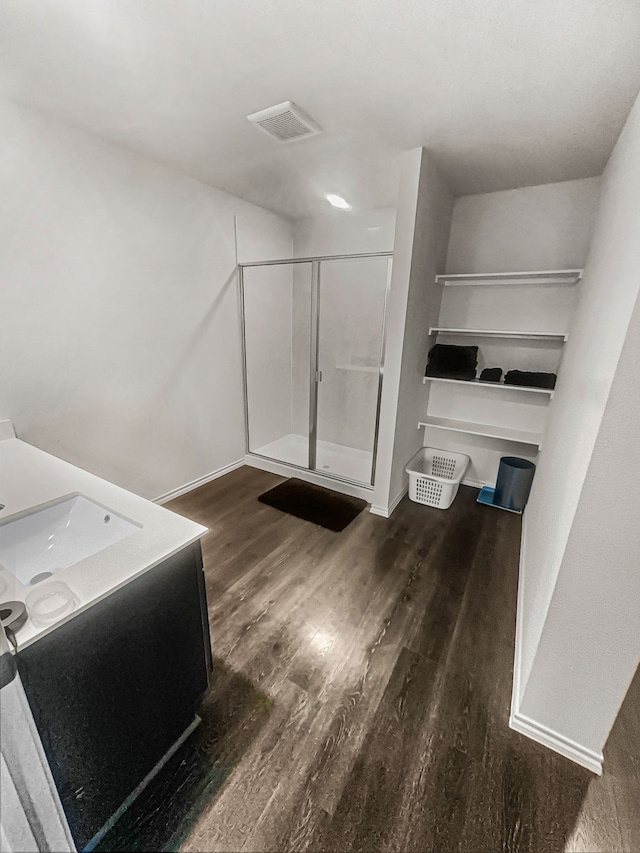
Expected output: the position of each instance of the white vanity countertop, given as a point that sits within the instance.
(30, 477)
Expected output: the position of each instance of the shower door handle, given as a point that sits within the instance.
(318, 376)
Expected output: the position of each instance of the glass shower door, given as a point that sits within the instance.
(351, 305)
(276, 303)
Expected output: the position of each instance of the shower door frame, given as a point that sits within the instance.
(314, 376)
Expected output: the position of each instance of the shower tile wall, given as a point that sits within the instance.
(268, 321)
(301, 338)
(278, 331)
(351, 302)
(350, 319)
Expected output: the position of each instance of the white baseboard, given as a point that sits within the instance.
(284, 470)
(475, 484)
(516, 694)
(386, 511)
(521, 722)
(194, 484)
(379, 510)
(6, 429)
(557, 742)
(394, 503)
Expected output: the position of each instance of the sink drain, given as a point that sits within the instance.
(42, 576)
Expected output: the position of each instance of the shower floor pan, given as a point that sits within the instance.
(336, 460)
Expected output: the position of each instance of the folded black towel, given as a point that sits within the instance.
(448, 361)
(530, 379)
(491, 374)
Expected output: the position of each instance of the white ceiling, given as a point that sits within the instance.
(504, 92)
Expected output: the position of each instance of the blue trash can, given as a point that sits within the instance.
(513, 485)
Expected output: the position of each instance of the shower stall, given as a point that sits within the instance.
(313, 346)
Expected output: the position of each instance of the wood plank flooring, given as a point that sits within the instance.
(387, 650)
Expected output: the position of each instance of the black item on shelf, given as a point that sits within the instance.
(491, 374)
(513, 485)
(530, 379)
(448, 361)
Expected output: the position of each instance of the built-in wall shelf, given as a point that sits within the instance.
(487, 430)
(497, 386)
(359, 368)
(560, 337)
(505, 278)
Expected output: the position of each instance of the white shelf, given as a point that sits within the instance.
(487, 430)
(498, 333)
(500, 386)
(514, 278)
(359, 368)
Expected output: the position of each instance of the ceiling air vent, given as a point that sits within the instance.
(285, 122)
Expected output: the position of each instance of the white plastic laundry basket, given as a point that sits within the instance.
(435, 476)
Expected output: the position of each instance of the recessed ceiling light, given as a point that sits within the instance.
(337, 201)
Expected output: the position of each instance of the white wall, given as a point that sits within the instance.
(589, 647)
(422, 231)
(119, 328)
(579, 617)
(542, 227)
(534, 228)
(345, 232)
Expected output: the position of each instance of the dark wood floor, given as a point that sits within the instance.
(387, 650)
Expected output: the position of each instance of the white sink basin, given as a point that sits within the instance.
(36, 546)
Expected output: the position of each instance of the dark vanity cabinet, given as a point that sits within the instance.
(114, 688)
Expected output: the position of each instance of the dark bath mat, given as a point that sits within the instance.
(233, 712)
(314, 503)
